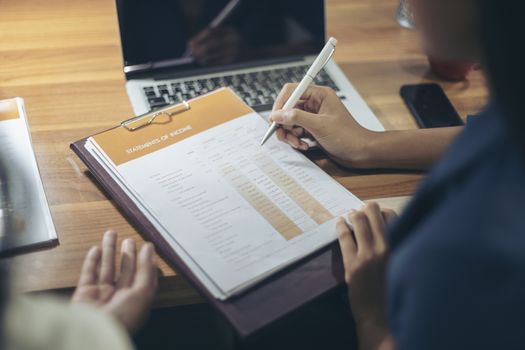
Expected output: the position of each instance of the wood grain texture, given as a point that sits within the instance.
(63, 57)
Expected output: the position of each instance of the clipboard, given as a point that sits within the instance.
(256, 308)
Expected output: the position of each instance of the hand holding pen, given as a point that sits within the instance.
(296, 95)
(321, 116)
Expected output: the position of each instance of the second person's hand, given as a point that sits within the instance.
(126, 296)
(365, 252)
(321, 116)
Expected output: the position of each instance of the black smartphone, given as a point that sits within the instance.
(430, 106)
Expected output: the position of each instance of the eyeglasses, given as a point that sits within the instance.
(142, 121)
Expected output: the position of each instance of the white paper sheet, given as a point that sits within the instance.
(233, 210)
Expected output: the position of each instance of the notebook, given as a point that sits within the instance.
(238, 219)
(25, 219)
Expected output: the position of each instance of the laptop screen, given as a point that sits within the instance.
(193, 34)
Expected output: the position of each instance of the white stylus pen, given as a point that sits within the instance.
(319, 63)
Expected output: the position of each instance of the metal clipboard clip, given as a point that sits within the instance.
(141, 121)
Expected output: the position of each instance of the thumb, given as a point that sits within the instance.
(296, 117)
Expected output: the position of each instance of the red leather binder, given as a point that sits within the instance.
(259, 306)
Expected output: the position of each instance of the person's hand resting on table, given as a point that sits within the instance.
(126, 296)
(365, 253)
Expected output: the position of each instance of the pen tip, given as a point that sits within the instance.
(265, 138)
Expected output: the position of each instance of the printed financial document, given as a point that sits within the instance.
(235, 211)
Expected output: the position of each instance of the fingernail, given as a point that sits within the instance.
(129, 242)
(95, 250)
(110, 236)
(150, 248)
(304, 146)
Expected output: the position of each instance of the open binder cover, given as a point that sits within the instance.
(258, 306)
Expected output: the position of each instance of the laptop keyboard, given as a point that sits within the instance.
(257, 89)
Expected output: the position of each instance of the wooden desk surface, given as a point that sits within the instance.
(63, 57)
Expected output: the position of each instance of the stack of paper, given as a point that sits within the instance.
(234, 211)
(25, 220)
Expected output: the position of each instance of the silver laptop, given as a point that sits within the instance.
(176, 50)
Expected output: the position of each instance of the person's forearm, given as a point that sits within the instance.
(408, 149)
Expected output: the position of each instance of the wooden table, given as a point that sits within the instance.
(63, 57)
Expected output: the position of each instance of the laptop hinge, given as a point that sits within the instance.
(149, 71)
